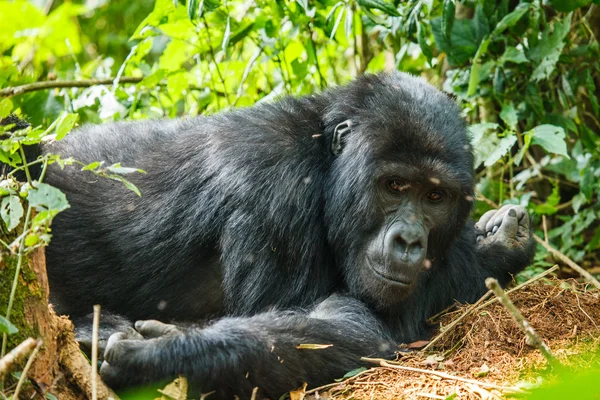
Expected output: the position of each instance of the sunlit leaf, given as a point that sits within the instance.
(11, 211)
(66, 123)
(448, 17)
(45, 197)
(551, 138)
(7, 327)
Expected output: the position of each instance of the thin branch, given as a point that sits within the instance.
(330, 385)
(95, 325)
(457, 320)
(32, 87)
(26, 369)
(391, 364)
(214, 59)
(589, 277)
(15, 355)
(533, 338)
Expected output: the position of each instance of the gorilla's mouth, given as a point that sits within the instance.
(392, 279)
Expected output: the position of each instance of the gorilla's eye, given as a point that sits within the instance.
(397, 186)
(435, 196)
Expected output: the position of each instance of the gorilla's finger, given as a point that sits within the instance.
(507, 233)
(497, 219)
(113, 339)
(480, 225)
(110, 375)
(152, 328)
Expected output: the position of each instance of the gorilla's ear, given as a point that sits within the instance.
(340, 131)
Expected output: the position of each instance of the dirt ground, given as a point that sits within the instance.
(485, 355)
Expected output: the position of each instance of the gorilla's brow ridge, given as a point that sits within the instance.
(434, 172)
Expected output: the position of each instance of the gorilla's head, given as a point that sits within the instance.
(401, 183)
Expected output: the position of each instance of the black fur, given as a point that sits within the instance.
(250, 219)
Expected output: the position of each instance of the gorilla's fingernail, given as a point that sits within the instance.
(489, 234)
(495, 229)
(512, 213)
(138, 325)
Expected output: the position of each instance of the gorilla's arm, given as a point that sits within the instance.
(234, 355)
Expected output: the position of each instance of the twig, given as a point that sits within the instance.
(16, 354)
(254, 393)
(545, 228)
(95, 325)
(478, 306)
(589, 277)
(532, 337)
(391, 364)
(26, 369)
(329, 385)
(457, 320)
(32, 87)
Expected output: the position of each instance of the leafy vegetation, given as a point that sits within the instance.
(526, 74)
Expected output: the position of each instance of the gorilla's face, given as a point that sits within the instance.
(401, 184)
(413, 207)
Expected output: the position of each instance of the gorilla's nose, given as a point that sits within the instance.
(406, 245)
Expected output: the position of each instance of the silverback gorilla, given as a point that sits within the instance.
(338, 218)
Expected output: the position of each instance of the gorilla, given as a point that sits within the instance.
(340, 218)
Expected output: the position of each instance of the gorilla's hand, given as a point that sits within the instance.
(131, 359)
(508, 226)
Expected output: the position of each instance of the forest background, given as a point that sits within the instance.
(526, 75)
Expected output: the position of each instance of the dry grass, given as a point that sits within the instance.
(488, 347)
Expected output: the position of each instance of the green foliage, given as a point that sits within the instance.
(526, 75)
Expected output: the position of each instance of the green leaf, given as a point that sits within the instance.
(337, 23)
(45, 197)
(380, 5)
(226, 35)
(500, 150)
(7, 327)
(92, 166)
(587, 183)
(509, 115)
(6, 106)
(474, 76)
(512, 54)
(511, 18)
(527, 142)
(352, 373)
(118, 169)
(569, 5)
(32, 239)
(549, 48)
(127, 183)
(448, 17)
(192, 9)
(241, 33)
(11, 211)
(65, 125)
(423, 43)
(551, 138)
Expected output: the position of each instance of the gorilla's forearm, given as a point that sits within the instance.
(234, 355)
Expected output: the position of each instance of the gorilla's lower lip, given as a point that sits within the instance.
(396, 280)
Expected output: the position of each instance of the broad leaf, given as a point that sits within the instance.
(7, 327)
(551, 138)
(11, 211)
(45, 197)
